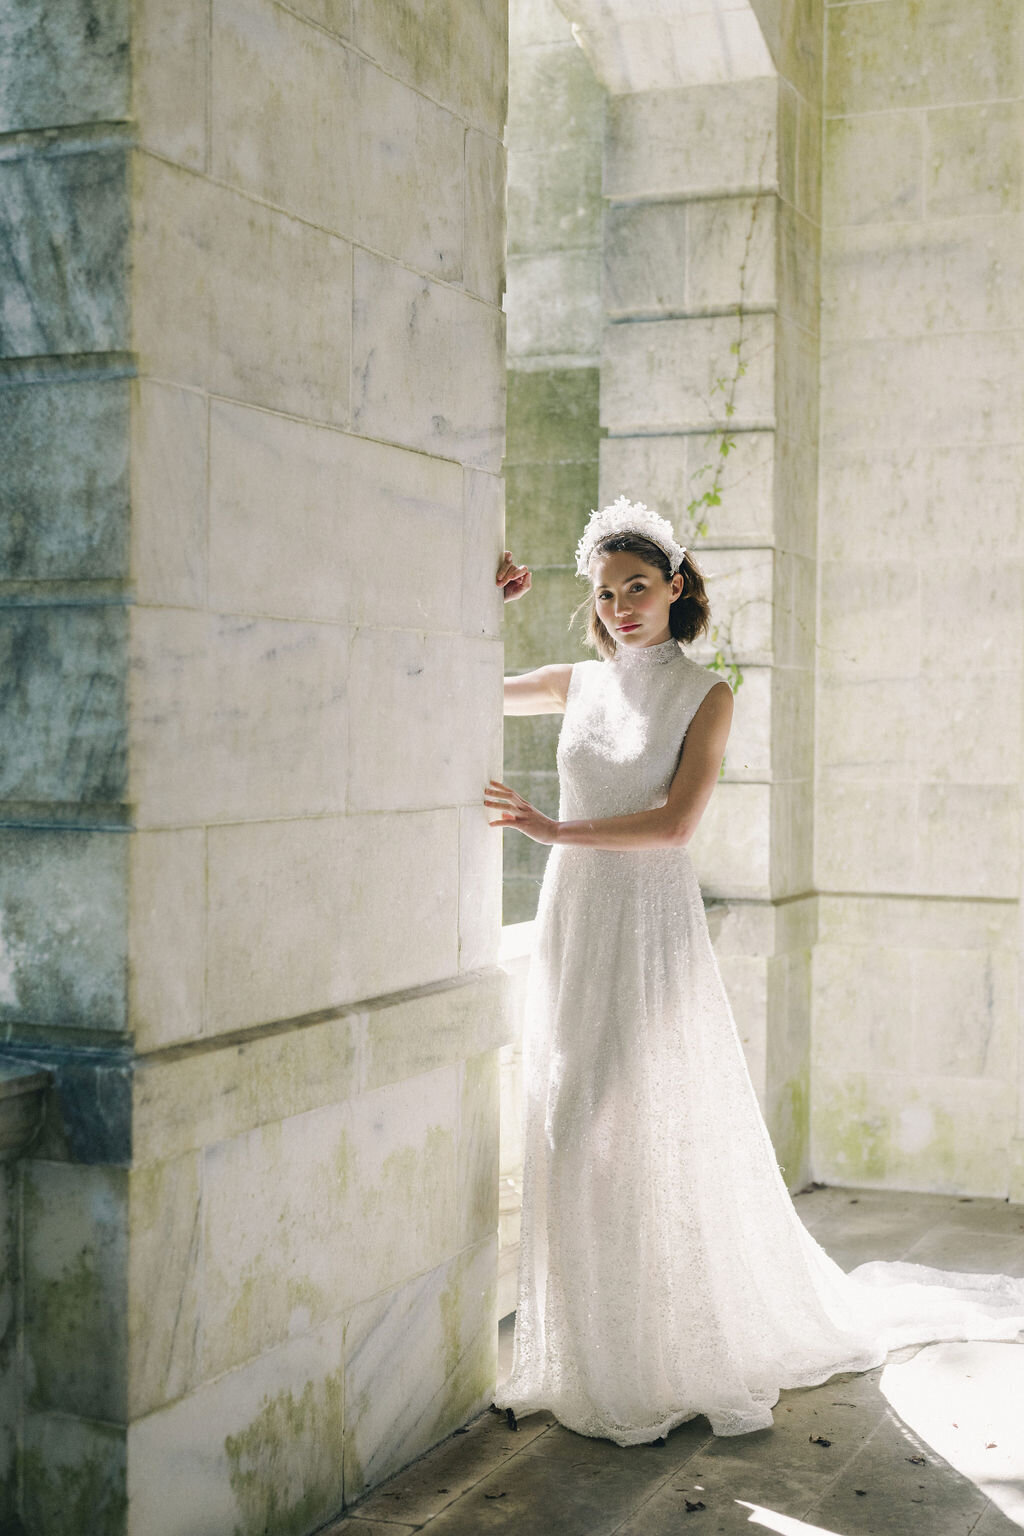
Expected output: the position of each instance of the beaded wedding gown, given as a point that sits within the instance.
(663, 1269)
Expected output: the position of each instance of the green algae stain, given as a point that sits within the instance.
(67, 1498)
(450, 1301)
(855, 1135)
(285, 1467)
(792, 1123)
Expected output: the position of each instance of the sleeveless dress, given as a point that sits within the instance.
(663, 1269)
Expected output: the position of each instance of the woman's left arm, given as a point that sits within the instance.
(666, 826)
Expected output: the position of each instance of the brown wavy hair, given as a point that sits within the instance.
(690, 613)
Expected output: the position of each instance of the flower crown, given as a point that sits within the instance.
(625, 516)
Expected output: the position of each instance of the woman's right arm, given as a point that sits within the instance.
(540, 692)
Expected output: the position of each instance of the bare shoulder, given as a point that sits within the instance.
(717, 704)
(557, 675)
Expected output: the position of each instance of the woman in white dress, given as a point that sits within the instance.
(663, 1269)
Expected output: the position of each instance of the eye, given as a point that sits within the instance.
(638, 586)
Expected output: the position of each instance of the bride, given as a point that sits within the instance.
(663, 1269)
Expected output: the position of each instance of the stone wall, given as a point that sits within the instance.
(253, 369)
(555, 139)
(917, 828)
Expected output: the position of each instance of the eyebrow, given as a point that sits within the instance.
(641, 574)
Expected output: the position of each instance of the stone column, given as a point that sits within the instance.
(711, 244)
(252, 389)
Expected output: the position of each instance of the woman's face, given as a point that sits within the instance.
(633, 598)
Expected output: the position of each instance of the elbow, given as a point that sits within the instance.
(680, 833)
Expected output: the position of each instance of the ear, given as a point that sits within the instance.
(678, 582)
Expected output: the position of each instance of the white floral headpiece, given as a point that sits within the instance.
(624, 516)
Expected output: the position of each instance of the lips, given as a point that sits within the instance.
(624, 629)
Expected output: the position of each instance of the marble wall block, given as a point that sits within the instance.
(731, 847)
(658, 375)
(258, 1448)
(165, 1321)
(964, 387)
(456, 56)
(670, 471)
(166, 936)
(268, 322)
(425, 365)
(10, 1199)
(64, 493)
(62, 928)
(872, 168)
(74, 1287)
(292, 1230)
(546, 503)
(748, 755)
(419, 1361)
(552, 414)
(807, 181)
(314, 913)
(483, 519)
(93, 83)
(478, 1147)
(697, 139)
(555, 101)
(73, 1475)
(170, 75)
(554, 199)
(920, 1131)
(64, 253)
(485, 221)
(311, 523)
(554, 306)
(792, 837)
(211, 692)
(308, 124)
(913, 497)
(405, 686)
(480, 859)
(170, 469)
(739, 584)
(64, 702)
(793, 609)
(910, 279)
(928, 54)
(974, 162)
(798, 281)
(645, 255)
(537, 628)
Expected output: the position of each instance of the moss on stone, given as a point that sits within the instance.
(284, 1466)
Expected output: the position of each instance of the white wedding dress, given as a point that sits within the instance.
(663, 1269)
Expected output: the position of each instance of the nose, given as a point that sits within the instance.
(621, 607)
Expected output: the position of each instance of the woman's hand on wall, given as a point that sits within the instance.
(514, 579)
(519, 813)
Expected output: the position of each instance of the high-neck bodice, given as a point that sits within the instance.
(623, 729)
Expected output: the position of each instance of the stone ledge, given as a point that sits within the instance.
(22, 1090)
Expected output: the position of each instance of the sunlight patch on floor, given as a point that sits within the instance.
(966, 1400)
(786, 1525)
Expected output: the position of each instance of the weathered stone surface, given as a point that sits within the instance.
(554, 100)
(386, 167)
(485, 223)
(456, 56)
(171, 77)
(170, 467)
(479, 888)
(554, 198)
(63, 698)
(303, 914)
(288, 1209)
(669, 471)
(537, 627)
(740, 588)
(940, 276)
(409, 1034)
(645, 259)
(424, 361)
(798, 279)
(406, 685)
(210, 690)
(975, 160)
(356, 512)
(164, 1266)
(929, 54)
(166, 936)
(257, 1448)
(270, 320)
(64, 492)
(549, 504)
(483, 519)
(419, 1361)
(552, 415)
(541, 322)
(75, 1223)
(478, 1147)
(93, 82)
(64, 253)
(658, 375)
(872, 168)
(731, 846)
(62, 928)
(700, 139)
(657, 49)
(73, 1475)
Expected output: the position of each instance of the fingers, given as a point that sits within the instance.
(508, 570)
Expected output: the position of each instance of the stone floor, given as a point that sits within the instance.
(932, 1442)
